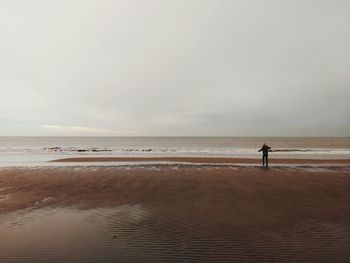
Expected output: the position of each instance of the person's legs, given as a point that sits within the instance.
(265, 160)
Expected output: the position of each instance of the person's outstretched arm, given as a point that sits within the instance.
(260, 150)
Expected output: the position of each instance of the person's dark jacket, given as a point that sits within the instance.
(265, 149)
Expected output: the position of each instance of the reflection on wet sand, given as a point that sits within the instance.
(174, 214)
(68, 235)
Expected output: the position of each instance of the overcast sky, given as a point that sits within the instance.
(175, 67)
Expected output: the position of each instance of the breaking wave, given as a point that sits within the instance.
(165, 151)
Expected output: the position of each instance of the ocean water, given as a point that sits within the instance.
(17, 151)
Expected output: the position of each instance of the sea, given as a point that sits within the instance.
(37, 151)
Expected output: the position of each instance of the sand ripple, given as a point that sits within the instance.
(134, 234)
(174, 215)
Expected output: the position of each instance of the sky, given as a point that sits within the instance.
(175, 68)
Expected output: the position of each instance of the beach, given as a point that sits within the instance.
(175, 131)
(176, 212)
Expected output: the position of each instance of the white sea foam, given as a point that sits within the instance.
(56, 150)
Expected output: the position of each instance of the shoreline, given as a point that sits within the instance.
(202, 160)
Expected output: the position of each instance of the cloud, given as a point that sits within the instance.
(186, 67)
(77, 130)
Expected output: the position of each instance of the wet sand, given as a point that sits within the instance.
(203, 160)
(184, 212)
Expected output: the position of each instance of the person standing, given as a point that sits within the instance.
(265, 159)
